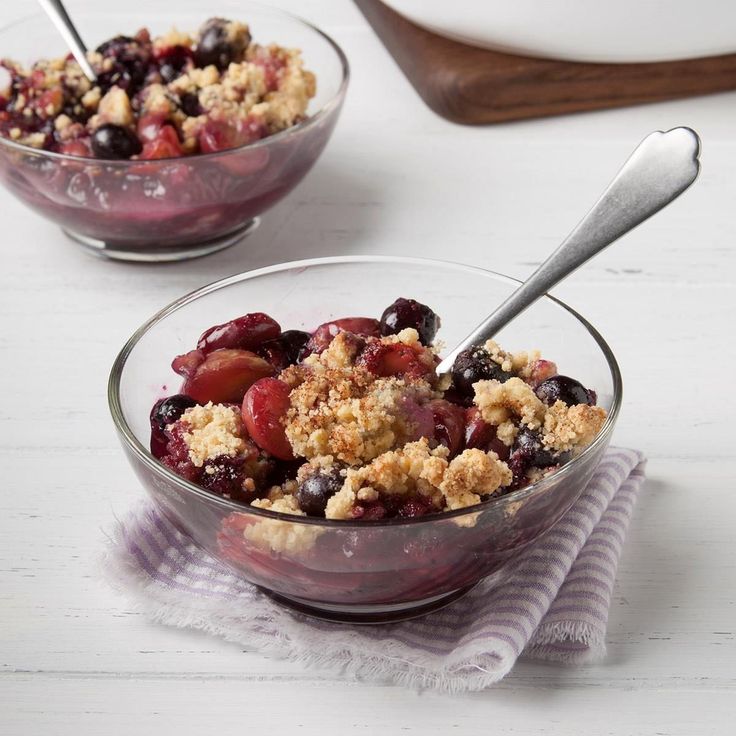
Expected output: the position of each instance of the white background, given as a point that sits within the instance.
(395, 179)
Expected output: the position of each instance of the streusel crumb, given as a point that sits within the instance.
(274, 535)
(473, 474)
(418, 470)
(214, 430)
(571, 427)
(500, 402)
(351, 414)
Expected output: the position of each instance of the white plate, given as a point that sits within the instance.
(584, 30)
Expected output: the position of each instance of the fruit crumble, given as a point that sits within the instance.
(352, 422)
(173, 95)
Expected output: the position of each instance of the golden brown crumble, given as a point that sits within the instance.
(418, 470)
(514, 399)
(571, 427)
(473, 474)
(214, 430)
(349, 412)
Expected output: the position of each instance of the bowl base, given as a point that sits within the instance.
(163, 254)
(368, 614)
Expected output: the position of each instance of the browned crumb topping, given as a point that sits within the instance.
(418, 470)
(571, 427)
(513, 399)
(214, 430)
(346, 411)
(473, 474)
(563, 428)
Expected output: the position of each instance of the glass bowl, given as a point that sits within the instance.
(350, 570)
(176, 208)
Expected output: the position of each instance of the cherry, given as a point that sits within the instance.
(164, 145)
(246, 333)
(221, 135)
(565, 389)
(473, 365)
(225, 376)
(449, 424)
(413, 508)
(115, 142)
(482, 436)
(224, 475)
(325, 333)
(177, 453)
(405, 313)
(284, 350)
(316, 490)
(80, 147)
(373, 511)
(395, 359)
(541, 370)
(264, 406)
(186, 365)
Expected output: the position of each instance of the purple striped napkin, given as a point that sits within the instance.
(554, 608)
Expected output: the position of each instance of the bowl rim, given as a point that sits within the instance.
(130, 441)
(334, 102)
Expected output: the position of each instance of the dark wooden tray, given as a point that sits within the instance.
(471, 85)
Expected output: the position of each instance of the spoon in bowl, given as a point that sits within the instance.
(661, 168)
(60, 18)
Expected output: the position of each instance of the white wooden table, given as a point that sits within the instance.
(395, 179)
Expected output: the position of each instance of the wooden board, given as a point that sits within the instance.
(472, 85)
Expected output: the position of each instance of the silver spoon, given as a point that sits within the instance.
(60, 18)
(661, 168)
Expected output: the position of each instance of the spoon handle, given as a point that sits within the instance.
(662, 167)
(60, 18)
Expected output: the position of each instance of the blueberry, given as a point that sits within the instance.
(130, 64)
(405, 313)
(167, 411)
(214, 47)
(173, 63)
(189, 103)
(114, 141)
(530, 443)
(563, 388)
(473, 365)
(316, 490)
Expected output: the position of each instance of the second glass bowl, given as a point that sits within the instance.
(177, 208)
(352, 570)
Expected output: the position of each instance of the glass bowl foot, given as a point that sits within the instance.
(160, 254)
(370, 614)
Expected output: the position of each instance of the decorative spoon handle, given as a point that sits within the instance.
(60, 18)
(662, 167)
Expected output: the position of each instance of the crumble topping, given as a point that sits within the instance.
(351, 414)
(473, 474)
(175, 94)
(274, 535)
(571, 427)
(418, 470)
(213, 430)
(500, 402)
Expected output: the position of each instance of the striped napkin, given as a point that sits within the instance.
(554, 608)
